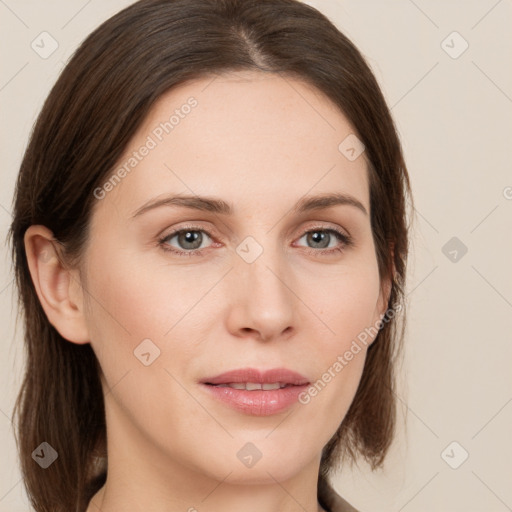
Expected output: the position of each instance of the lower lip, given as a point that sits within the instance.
(258, 402)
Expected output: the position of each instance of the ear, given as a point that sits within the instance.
(385, 290)
(58, 288)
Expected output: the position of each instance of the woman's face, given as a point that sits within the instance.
(266, 285)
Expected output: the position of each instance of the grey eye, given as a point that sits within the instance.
(187, 239)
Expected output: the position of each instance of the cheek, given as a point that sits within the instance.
(155, 314)
(131, 301)
(345, 301)
(346, 304)
(140, 332)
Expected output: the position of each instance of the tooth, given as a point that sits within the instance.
(250, 386)
(237, 385)
(253, 386)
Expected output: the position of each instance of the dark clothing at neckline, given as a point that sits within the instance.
(330, 500)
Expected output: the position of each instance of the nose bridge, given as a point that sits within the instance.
(265, 296)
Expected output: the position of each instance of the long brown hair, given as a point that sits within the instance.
(93, 110)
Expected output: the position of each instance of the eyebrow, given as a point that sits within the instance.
(219, 206)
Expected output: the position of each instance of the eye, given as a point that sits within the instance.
(189, 240)
(321, 239)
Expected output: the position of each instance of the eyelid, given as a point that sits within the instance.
(326, 225)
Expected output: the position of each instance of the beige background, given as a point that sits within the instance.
(455, 119)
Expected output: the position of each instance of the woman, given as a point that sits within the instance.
(210, 245)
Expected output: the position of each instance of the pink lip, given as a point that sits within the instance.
(263, 377)
(257, 402)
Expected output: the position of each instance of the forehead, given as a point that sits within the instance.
(248, 137)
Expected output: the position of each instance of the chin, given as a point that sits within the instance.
(253, 464)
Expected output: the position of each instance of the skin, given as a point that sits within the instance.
(260, 142)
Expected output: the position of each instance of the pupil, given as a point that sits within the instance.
(319, 237)
(190, 237)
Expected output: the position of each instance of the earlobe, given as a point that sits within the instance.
(57, 287)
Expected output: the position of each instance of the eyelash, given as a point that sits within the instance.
(342, 237)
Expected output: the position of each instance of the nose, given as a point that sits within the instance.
(262, 302)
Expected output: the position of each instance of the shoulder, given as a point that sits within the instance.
(330, 499)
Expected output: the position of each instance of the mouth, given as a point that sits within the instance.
(256, 392)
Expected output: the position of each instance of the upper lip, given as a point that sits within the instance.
(282, 375)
